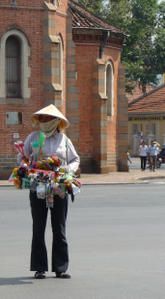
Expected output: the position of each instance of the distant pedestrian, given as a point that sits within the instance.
(153, 153)
(129, 158)
(143, 154)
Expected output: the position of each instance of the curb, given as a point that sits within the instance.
(91, 184)
(141, 180)
(152, 178)
(116, 183)
(7, 185)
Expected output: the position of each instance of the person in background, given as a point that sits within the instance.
(51, 122)
(153, 153)
(143, 153)
(129, 158)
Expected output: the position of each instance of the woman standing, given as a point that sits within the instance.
(143, 153)
(51, 122)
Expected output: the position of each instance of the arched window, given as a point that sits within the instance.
(55, 2)
(109, 89)
(57, 62)
(57, 70)
(13, 67)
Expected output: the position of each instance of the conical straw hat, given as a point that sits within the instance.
(157, 144)
(52, 111)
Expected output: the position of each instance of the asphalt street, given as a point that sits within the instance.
(116, 237)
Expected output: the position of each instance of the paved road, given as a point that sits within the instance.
(117, 245)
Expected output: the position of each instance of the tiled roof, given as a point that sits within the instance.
(137, 92)
(151, 102)
(81, 18)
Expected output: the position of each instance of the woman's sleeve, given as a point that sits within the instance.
(27, 146)
(73, 160)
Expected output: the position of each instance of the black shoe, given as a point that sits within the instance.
(63, 275)
(39, 275)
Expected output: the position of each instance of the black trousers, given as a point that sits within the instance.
(143, 162)
(39, 211)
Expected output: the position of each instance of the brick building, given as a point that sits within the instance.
(57, 52)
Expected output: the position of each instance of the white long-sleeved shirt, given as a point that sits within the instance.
(57, 144)
(143, 150)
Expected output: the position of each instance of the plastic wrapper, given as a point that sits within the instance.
(41, 191)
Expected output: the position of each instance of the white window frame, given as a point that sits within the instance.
(109, 95)
(55, 2)
(59, 83)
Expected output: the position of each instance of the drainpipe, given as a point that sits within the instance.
(104, 38)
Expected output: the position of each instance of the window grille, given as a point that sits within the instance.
(109, 89)
(13, 67)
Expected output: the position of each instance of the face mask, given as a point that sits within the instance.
(49, 127)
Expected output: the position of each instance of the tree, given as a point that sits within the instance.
(118, 13)
(143, 22)
(144, 51)
(159, 40)
(94, 6)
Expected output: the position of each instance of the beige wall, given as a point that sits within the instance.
(151, 129)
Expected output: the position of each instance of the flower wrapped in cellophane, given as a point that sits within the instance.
(47, 177)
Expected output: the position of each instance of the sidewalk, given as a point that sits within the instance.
(131, 177)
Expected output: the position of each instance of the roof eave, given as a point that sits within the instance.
(130, 113)
(99, 28)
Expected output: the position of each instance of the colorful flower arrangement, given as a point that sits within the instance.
(47, 177)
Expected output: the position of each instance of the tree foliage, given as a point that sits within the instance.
(159, 41)
(144, 51)
(94, 6)
(143, 22)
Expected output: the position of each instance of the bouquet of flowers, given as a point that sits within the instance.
(47, 177)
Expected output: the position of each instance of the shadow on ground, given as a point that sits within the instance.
(15, 280)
